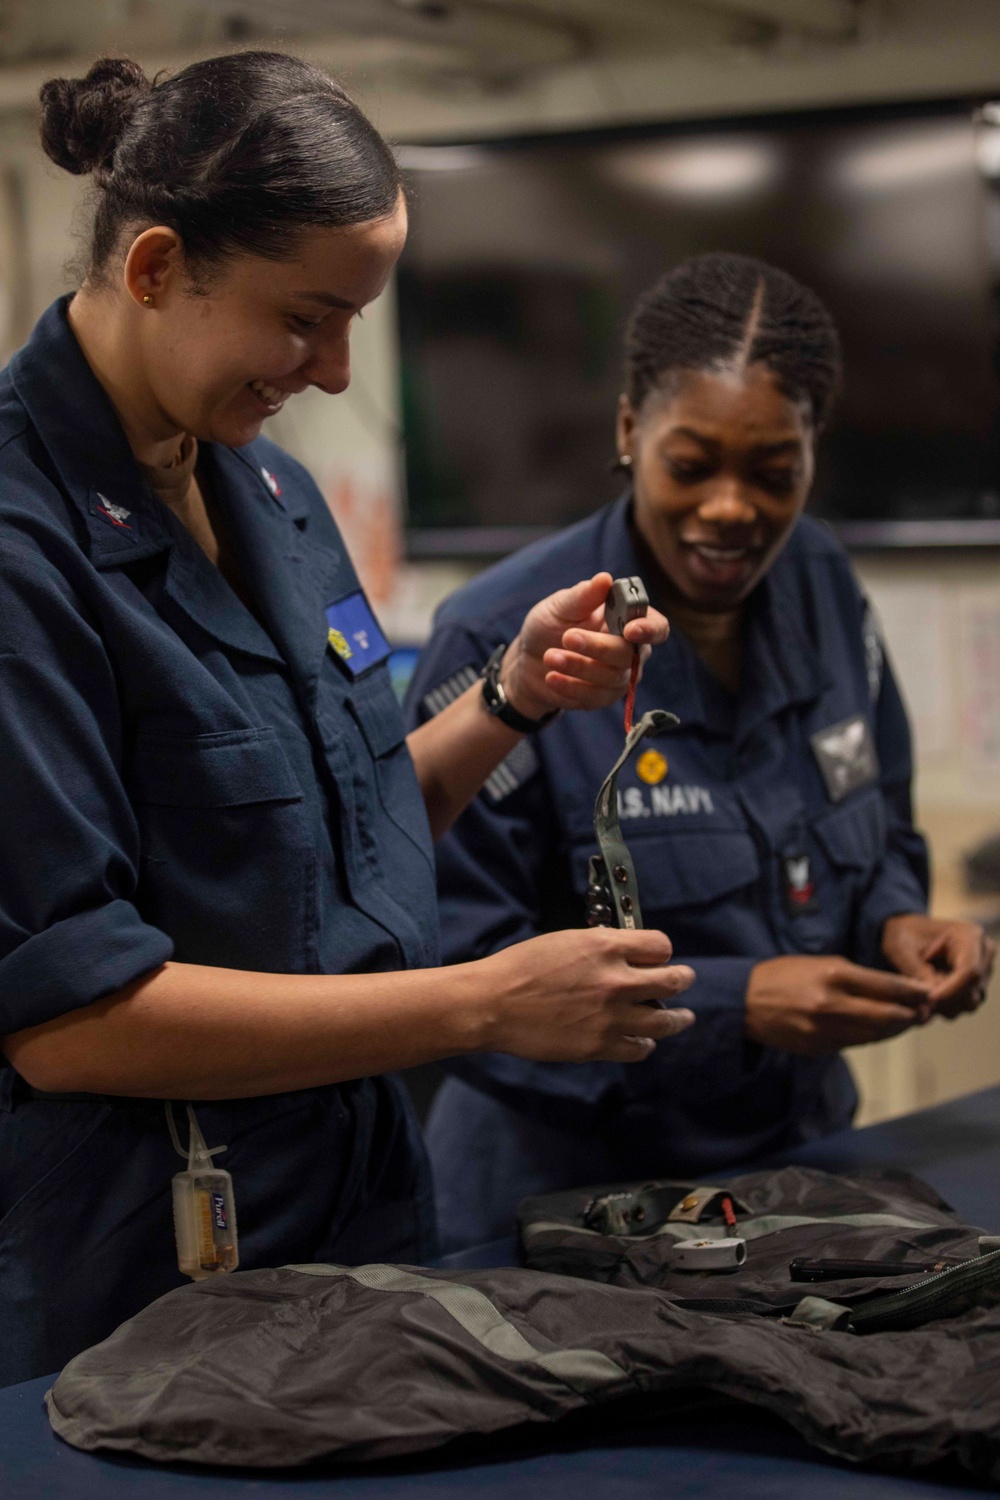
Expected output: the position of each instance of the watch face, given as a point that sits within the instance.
(492, 691)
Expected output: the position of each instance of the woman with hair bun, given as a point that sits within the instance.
(772, 833)
(216, 873)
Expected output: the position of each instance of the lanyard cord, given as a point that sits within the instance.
(630, 696)
(175, 1138)
(172, 1127)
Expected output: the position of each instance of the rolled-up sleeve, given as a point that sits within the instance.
(70, 931)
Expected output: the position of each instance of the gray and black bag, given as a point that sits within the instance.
(629, 1235)
(289, 1366)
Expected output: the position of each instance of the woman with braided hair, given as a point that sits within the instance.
(216, 872)
(776, 848)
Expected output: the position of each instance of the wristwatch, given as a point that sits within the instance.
(496, 699)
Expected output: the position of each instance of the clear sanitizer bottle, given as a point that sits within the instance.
(204, 1209)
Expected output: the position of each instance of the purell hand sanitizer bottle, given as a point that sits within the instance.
(204, 1211)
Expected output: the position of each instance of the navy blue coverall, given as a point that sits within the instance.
(184, 778)
(782, 826)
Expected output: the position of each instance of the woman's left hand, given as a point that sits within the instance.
(565, 657)
(956, 958)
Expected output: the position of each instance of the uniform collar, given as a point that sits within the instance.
(86, 443)
(782, 666)
(290, 572)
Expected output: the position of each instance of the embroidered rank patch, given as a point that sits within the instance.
(522, 762)
(115, 515)
(354, 635)
(800, 888)
(846, 756)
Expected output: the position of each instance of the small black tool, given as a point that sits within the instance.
(802, 1269)
(627, 600)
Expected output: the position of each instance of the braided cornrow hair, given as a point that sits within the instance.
(238, 153)
(717, 312)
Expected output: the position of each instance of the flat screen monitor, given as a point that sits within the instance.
(526, 255)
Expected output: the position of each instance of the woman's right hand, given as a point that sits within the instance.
(816, 1006)
(582, 996)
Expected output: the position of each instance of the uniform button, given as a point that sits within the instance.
(621, 874)
(626, 903)
(689, 1203)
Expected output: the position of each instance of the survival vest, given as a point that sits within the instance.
(283, 1367)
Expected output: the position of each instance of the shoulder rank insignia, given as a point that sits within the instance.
(271, 483)
(846, 755)
(119, 516)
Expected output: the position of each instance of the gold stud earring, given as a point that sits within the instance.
(147, 299)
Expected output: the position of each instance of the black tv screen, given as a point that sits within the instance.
(525, 256)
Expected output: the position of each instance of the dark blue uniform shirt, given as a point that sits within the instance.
(782, 826)
(185, 778)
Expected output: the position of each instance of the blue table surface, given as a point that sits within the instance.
(705, 1452)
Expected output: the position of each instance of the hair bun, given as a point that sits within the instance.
(83, 118)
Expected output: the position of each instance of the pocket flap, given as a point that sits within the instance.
(854, 835)
(683, 868)
(376, 708)
(229, 769)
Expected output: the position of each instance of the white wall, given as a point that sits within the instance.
(941, 620)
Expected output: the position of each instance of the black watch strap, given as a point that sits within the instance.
(496, 699)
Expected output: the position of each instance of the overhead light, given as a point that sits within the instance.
(988, 140)
(939, 151)
(703, 169)
(441, 158)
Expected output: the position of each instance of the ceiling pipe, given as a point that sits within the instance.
(828, 20)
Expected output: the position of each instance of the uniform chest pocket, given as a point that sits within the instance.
(853, 836)
(234, 768)
(684, 868)
(376, 711)
(373, 704)
(848, 842)
(227, 861)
